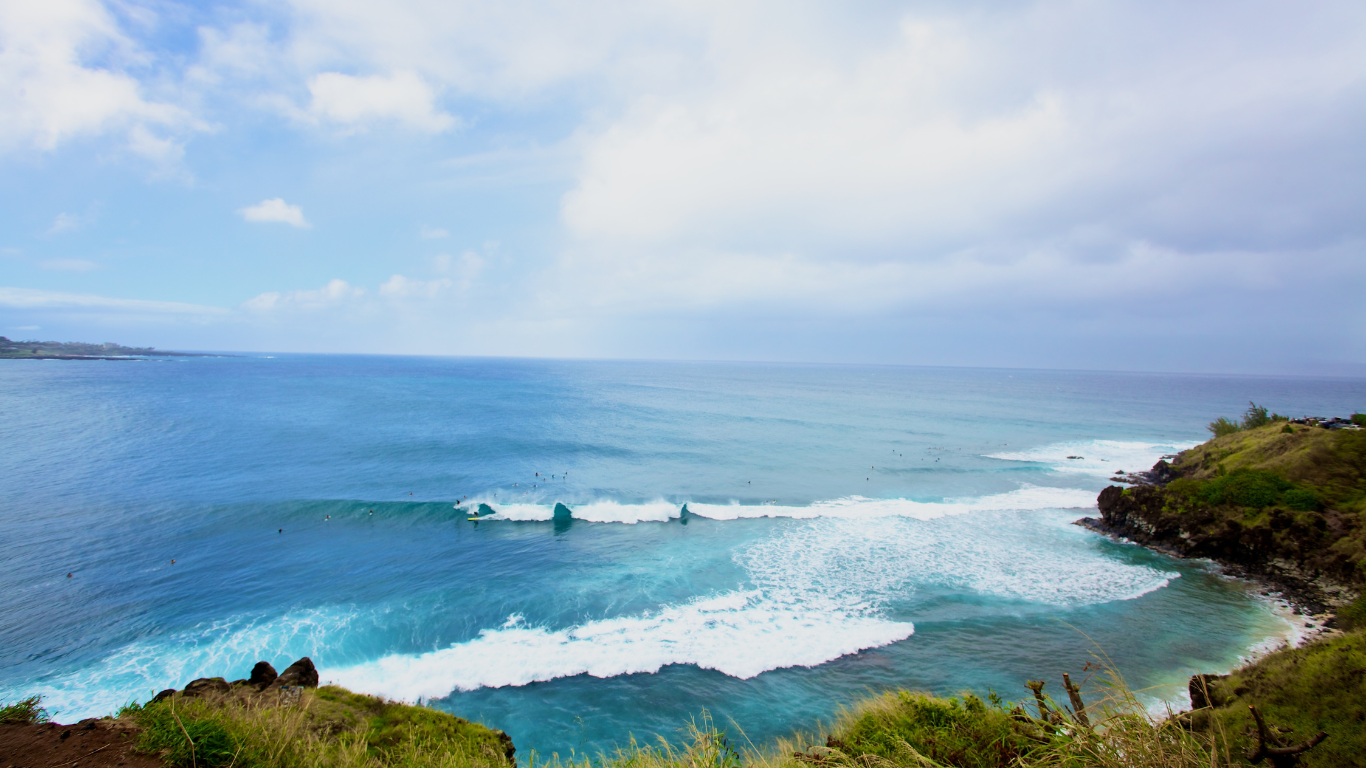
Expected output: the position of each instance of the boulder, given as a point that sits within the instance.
(263, 674)
(206, 685)
(164, 695)
(300, 674)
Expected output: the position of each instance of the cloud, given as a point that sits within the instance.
(505, 52)
(433, 233)
(68, 265)
(358, 101)
(64, 222)
(400, 287)
(33, 299)
(952, 130)
(51, 95)
(336, 293)
(275, 209)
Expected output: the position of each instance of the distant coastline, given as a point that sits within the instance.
(79, 350)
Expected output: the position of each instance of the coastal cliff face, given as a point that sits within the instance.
(1279, 502)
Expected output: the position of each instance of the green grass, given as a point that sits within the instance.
(1319, 687)
(327, 728)
(961, 732)
(23, 712)
(904, 729)
(1263, 494)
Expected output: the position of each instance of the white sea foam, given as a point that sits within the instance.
(1026, 498)
(882, 559)
(741, 634)
(1100, 458)
(210, 650)
(818, 591)
(859, 507)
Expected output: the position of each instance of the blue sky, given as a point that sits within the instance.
(1150, 186)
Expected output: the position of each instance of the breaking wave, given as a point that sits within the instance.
(1099, 458)
(853, 507)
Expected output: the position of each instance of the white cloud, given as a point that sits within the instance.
(400, 287)
(68, 265)
(433, 233)
(948, 131)
(357, 101)
(51, 95)
(275, 209)
(499, 51)
(336, 293)
(64, 222)
(33, 299)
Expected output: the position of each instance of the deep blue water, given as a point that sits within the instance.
(847, 528)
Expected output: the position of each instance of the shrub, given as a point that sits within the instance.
(1255, 416)
(1253, 488)
(960, 733)
(1300, 500)
(1287, 430)
(1359, 419)
(1222, 426)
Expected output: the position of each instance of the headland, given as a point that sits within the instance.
(79, 350)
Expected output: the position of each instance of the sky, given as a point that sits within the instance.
(1164, 186)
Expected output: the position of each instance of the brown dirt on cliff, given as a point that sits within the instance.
(92, 744)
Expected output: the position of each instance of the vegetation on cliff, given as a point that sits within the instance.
(1320, 687)
(1288, 501)
(329, 727)
(76, 349)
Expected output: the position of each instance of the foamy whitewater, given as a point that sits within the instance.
(764, 542)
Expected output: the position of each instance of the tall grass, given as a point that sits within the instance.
(23, 712)
(240, 731)
(902, 729)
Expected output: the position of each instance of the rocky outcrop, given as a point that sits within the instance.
(1286, 549)
(204, 686)
(262, 674)
(1297, 551)
(300, 674)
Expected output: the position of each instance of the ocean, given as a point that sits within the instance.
(763, 542)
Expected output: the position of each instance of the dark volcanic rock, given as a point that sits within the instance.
(1281, 549)
(206, 685)
(164, 695)
(263, 674)
(1205, 693)
(300, 674)
(508, 749)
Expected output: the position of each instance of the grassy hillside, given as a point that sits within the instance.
(1320, 687)
(1283, 499)
(330, 727)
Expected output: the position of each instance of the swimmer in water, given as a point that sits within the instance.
(282, 530)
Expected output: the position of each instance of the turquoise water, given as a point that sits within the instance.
(766, 542)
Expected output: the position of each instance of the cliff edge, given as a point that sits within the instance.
(1284, 502)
